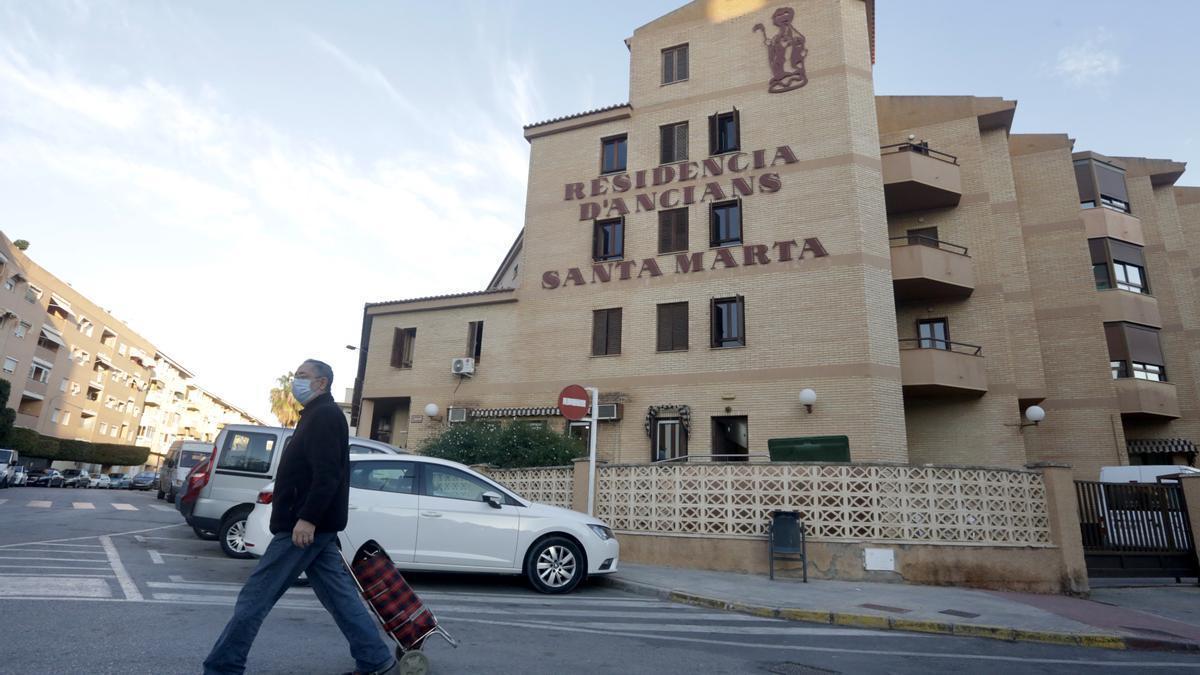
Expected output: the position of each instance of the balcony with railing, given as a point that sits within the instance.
(933, 367)
(926, 268)
(917, 177)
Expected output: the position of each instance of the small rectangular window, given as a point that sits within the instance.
(1100, 274)
(608, 240)
(1130, 277)
(672, 327)
(674, 64)
(673, 142)
(606, 332)
(725, 220)
(22, 329)
(1148, 371)
(612, 154)
(933, 333)
(724, 133)
(729, 322)
(672, 230)
(403, 340)
(10, 365)
(475, 340)
(669, 440)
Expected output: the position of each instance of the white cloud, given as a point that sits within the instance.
(240, 248)
(1089, 63)
(365, 73)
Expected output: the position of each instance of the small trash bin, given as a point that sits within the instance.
(786, 541)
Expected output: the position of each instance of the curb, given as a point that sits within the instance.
(875, 622)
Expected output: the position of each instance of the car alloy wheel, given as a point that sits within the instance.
(233, 535)
(555, 565)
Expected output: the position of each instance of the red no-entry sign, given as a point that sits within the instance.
(573, 402)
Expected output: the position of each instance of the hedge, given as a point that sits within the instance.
(517, 444)
(30, 443)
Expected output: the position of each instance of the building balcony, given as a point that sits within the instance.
(1146, 399)
(48, 355)
(924, 268)
(1121, 305)
(1106, 222)
(917, 178)
(947, 369)
(26, 421)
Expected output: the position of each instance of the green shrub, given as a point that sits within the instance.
(516, 444)
(7, 415)
(32, 444)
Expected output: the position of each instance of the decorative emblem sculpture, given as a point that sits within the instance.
(787, 70)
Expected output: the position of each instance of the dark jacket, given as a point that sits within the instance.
(313, 481)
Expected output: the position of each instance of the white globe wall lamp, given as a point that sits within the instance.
(807, 398)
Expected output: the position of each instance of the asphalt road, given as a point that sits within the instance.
(95, 581)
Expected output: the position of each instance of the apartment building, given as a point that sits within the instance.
(757, 253)
(78, 372)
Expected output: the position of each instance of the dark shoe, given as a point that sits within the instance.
(393, 669)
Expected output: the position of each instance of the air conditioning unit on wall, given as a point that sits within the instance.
(609, 411)
(462, 366)
(456, 415)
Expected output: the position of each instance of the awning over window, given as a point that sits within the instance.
(30, 394)
(58, 304)
(515, 412)
(53, 335)
(1169, 446)
(104, 360)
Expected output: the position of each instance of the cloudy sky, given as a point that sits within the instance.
(235, 180)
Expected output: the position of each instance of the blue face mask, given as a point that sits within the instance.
(302, 390)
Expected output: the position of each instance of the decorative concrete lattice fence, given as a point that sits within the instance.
(549, 485)
(851, 503)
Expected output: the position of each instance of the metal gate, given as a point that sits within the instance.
(1135, 530)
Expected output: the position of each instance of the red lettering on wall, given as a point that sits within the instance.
(645, 202)
(624, 267)
(687, 171)
(693, 262)
(813, 246)
(713, 167)
(785, 249)
(784, 153)
(589, 211)
(689, 195)
(639, 179)
(599, 186)
(769, 182)
(621, 182)
(713, 191)
(550, 280)
(651, 265)
(737, 162)
(725, 258)
(663, 174)
(743, 186)
(760, 159)
(601, 272)
(574, 276)
(616, 208)
(755, 254)
(665, 199)
(574, 191)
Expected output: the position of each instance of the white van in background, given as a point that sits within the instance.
(8, 461)
(219, 494)
(1149, 473)
(181, 457)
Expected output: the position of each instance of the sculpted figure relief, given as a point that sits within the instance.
(785, 52)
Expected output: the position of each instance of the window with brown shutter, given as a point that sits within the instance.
(673, 142)
(672, 230)
(672, 327)
(675, 64)
(729, 322)
(608, 239)
(724, 132)
(475, 340)
(402, 347)
(606, 332)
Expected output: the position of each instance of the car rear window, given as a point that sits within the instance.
(190, 458)
(247, 451)
(6, 456)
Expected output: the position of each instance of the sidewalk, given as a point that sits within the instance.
(1115, 618)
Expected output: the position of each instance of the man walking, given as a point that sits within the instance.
(312, 492)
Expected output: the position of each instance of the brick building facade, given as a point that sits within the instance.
(755, 221)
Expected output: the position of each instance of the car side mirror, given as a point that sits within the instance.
(494, 500)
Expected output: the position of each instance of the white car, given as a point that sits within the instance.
(99, 480)
(433, 514)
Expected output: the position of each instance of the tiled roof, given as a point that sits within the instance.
(441, 297)
(582, 114)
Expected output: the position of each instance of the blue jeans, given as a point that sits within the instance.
(279, 567)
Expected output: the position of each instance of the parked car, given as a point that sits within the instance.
(19, 476)
(221, 490)
(46, 478)
(8, 463)
(120, 480)
(74, 478)
(434, 514)
(143, 481)
(181, 457)
(99, 480)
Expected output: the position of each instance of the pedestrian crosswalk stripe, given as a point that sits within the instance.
(3, 501)
(124, 507)
(39, 504)
(160, 507)
(84, 505)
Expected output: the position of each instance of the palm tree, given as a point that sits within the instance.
(283, 404)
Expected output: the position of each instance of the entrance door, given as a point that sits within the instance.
(458, 528)
(1135, 530)
(670, 440)
(731, 439)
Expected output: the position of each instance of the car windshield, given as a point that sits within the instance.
(145, 475)
(190, 458)
(6, 456)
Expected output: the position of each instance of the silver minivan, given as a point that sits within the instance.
(219, 494)
(181, 457)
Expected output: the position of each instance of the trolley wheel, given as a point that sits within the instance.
(413, 662)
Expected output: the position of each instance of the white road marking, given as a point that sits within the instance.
(206, 557)
(155, 557)
(661, 628)
(83, 505)
(124, 507)
(49, 543)
(10, 557)
(56, 574)
(31, 549)
(39, 504)
(89, 536)
(57, 567)
(231, 599)
(3, 501)
(139, 538)
(160, 507)
(592, 614)
(127, 586)
(58, 587)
